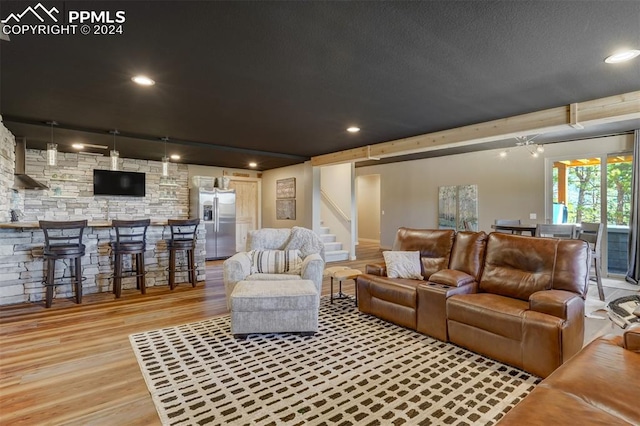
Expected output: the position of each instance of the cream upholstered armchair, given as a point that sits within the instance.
(243, 265)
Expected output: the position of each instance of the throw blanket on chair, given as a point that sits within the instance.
(305, 240)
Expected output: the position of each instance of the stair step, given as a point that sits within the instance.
(323, 230)
(332, 246)
(336, 255)
(328, 238)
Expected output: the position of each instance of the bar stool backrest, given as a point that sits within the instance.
(131, 235)
(63, 238)
(183, 229)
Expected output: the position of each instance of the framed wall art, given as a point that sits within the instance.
(285, 209)
(457, 205)
(286, 188)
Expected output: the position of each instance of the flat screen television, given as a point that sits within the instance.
(108, 182)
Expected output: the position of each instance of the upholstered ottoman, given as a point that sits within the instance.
(274, 307)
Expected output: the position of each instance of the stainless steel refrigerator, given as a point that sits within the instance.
(217, 210)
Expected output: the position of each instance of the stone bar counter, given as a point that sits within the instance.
(22, 266)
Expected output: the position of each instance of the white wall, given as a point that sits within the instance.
(368, 190)
(303, 174)
(335, 182)
(512, 187)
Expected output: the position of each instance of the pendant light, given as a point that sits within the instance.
(114, 154)
(52, 148)
(165, 159)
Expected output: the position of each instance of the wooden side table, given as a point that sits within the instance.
(343, 275)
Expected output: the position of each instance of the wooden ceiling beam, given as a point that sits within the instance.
(605, 110)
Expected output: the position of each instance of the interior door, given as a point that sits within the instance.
(246, 209)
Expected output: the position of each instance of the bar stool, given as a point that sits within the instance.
(130, 240)
(183, 237)
(63, 240)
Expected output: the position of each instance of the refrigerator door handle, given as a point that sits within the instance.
(216, 212)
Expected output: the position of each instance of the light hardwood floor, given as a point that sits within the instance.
(73, 364)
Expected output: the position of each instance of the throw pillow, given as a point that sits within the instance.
(275, 261)
(403, 264)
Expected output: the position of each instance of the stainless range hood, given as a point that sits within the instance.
(21, 179)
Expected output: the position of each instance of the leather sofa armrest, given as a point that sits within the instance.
(451, 277)
(558, 303)
(631, 338)
(379, 269)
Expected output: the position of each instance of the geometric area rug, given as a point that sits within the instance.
(357, 369)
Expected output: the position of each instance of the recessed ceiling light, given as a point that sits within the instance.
(622, 56)
(77, 146)
(353, 129)
(175, 157)
(252, 164)
(143, 80)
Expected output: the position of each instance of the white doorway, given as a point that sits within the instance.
(368, 203)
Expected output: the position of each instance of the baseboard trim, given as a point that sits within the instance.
(368, 240)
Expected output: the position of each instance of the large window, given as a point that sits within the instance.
(589, 189)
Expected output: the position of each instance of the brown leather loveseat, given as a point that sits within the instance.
(598, 386)
(516, 299)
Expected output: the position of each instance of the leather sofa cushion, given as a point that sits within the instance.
(632, 338)
(517, 266)
(451, 278)
(572, 267)
(496, 314)
(434, 246)
(401, 291)
(467, 254)
(547, 406)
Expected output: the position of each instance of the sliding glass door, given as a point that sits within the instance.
(595, 189)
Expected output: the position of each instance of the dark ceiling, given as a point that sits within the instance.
(279, 82)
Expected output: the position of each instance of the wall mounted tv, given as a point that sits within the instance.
(108, 182)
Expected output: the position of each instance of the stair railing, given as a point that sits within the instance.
(334, 206)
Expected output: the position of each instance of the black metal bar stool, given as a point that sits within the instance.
(63, 240)
(131, 238)
(183, 237)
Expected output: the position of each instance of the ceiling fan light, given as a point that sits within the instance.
(143, 80)
(540, 149)
(622, 56)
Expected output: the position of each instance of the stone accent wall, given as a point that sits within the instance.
(70, 195)
(23, 266)
(7, 169)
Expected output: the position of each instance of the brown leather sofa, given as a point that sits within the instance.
(517, 299)
(598, 386)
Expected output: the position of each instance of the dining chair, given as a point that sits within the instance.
(507, 222)
(563, 231)
(592, 234)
